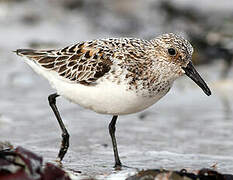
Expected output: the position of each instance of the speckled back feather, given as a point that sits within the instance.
(86, 62)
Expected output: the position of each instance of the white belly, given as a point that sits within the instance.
(105, 97)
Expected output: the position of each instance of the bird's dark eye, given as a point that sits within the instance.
(172, 51)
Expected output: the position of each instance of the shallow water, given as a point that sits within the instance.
(186, 129)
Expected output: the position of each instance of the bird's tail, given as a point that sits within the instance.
(30, 52)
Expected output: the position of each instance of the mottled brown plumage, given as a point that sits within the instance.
(86, 62)
(71, 62)
(83, 62)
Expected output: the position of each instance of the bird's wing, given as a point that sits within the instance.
(84, 62)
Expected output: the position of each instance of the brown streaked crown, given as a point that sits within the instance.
(173, 48)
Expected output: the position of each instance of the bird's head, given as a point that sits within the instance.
(177, 52)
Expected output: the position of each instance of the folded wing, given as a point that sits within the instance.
(83, 63)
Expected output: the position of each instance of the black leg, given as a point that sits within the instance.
(112, 130)
(65, 136)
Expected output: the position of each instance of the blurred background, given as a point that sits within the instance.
(186, 129)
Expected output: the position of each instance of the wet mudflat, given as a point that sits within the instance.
(186, 129)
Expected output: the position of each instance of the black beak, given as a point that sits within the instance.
(191, 72)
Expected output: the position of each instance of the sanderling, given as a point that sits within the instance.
(114, 76)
